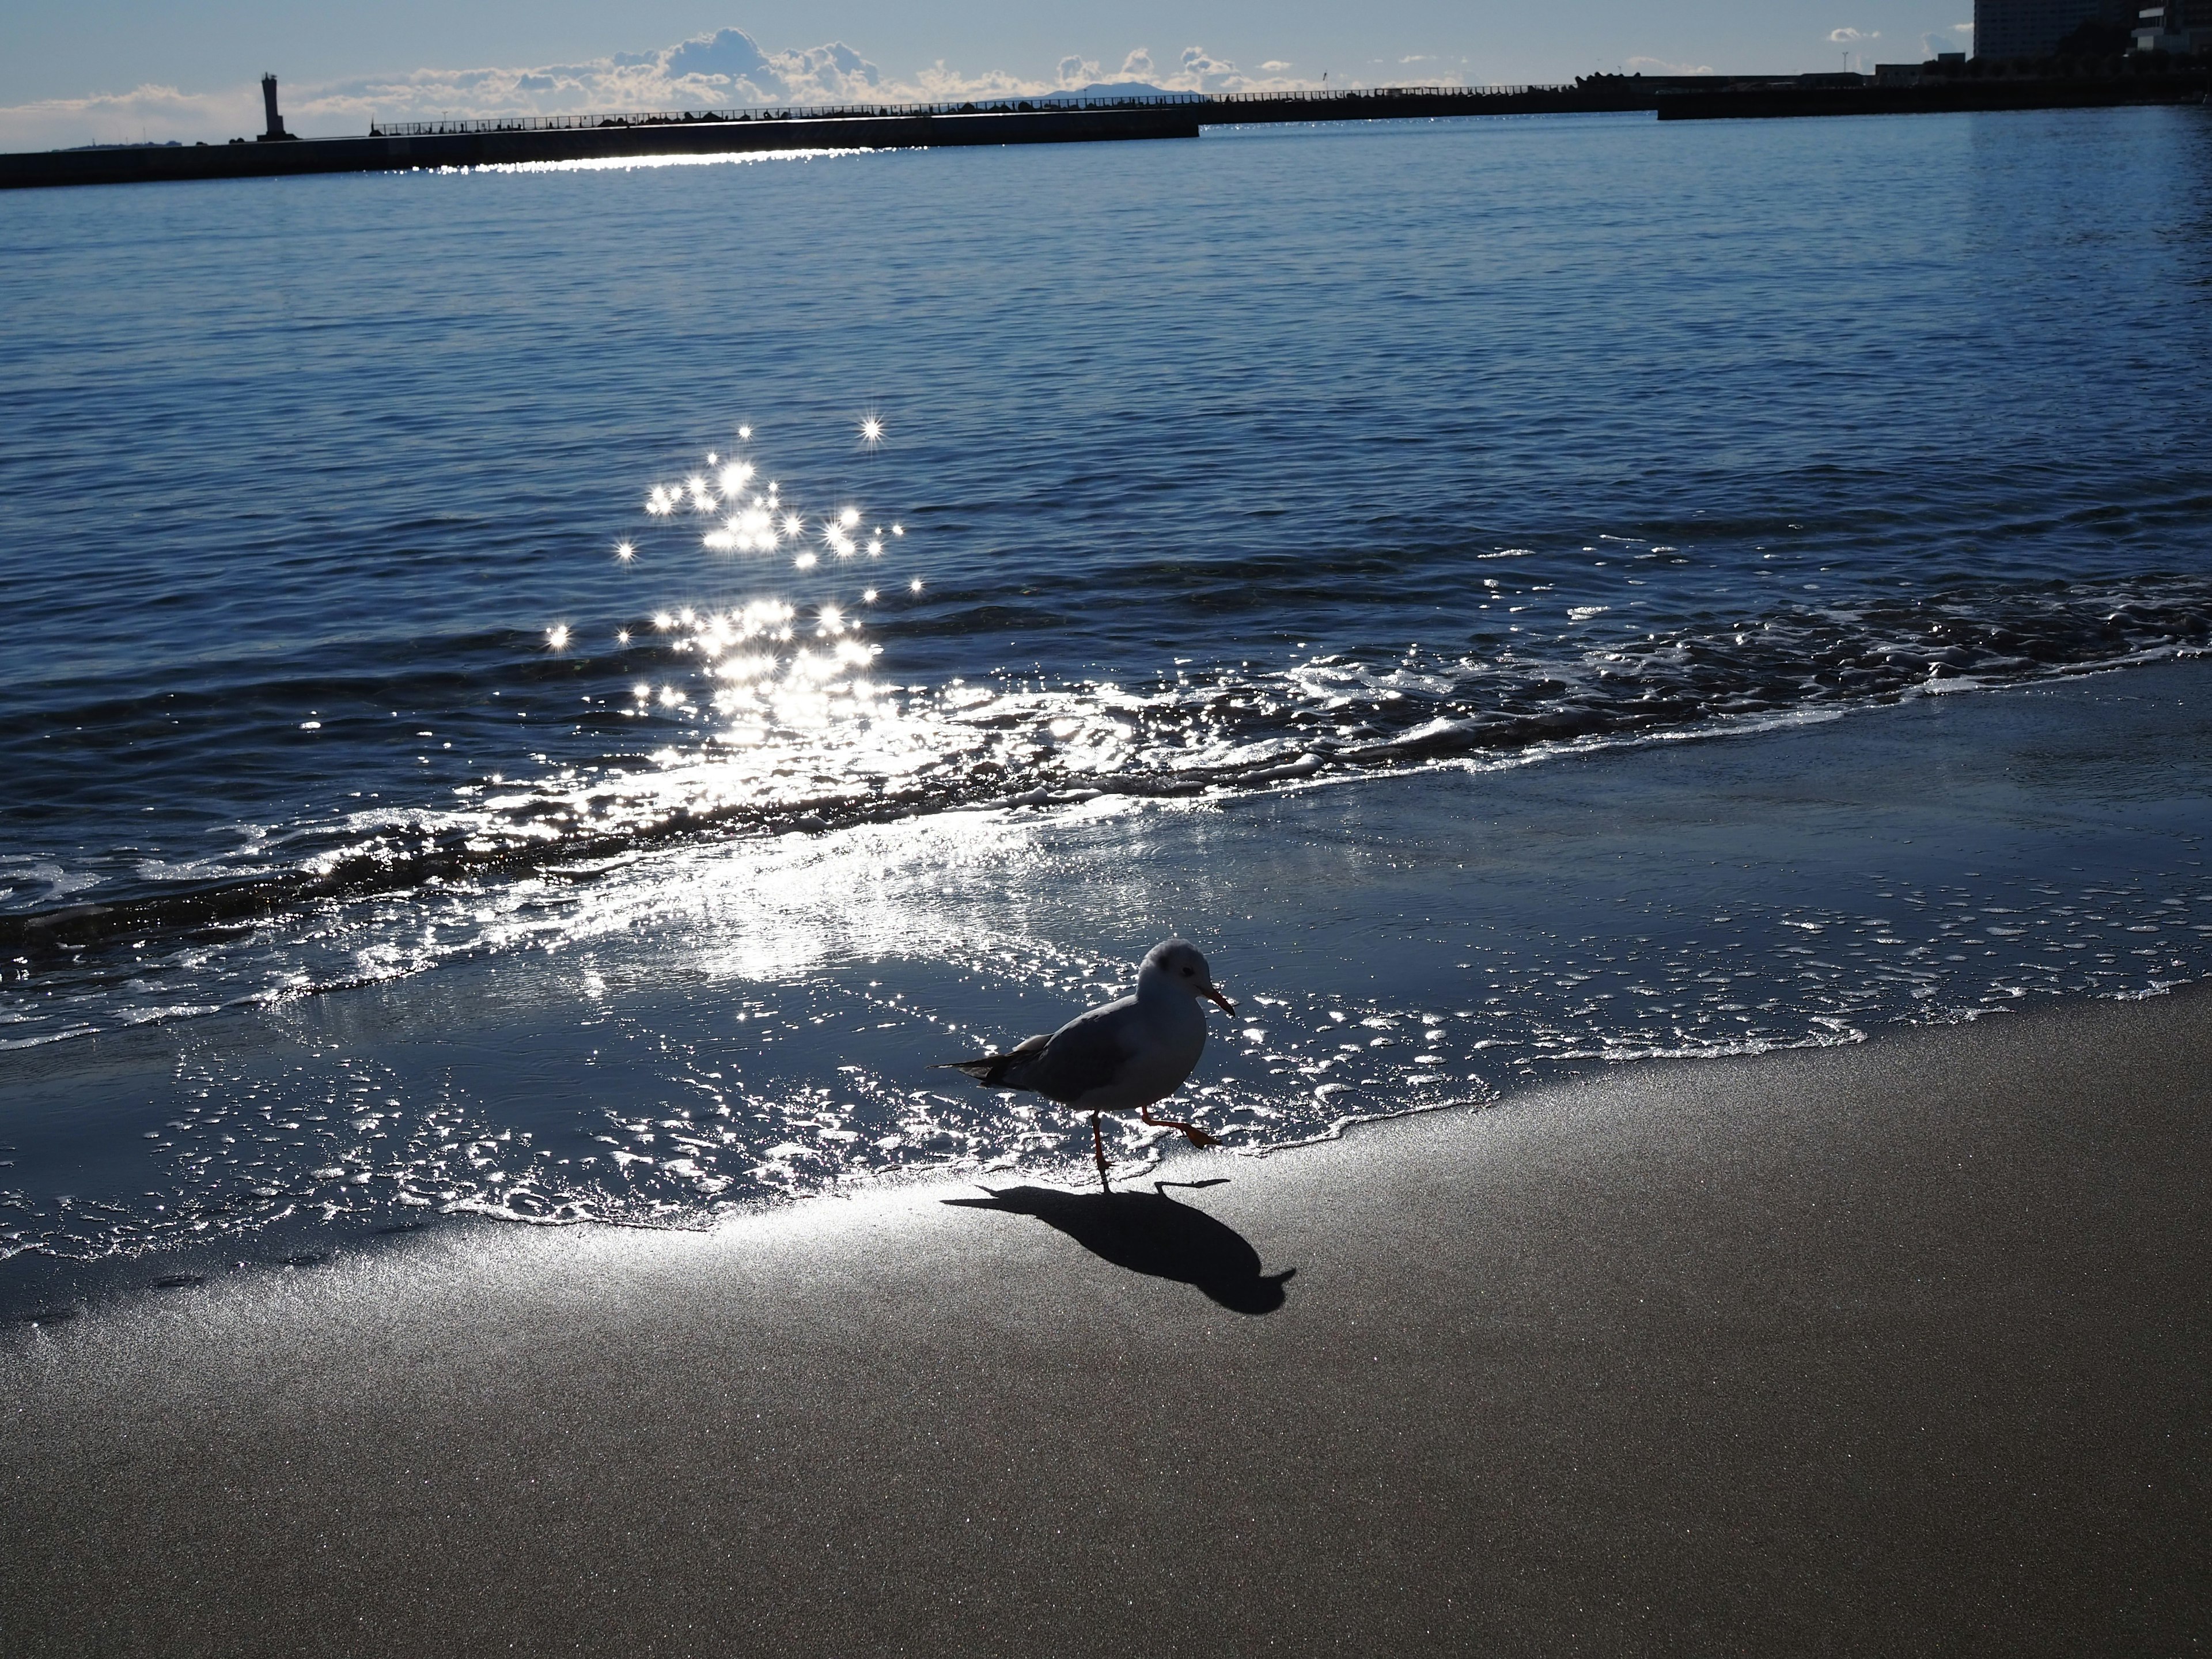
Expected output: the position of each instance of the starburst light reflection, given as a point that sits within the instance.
(760, 698)
(775, 692)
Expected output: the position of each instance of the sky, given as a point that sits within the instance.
(111, 71)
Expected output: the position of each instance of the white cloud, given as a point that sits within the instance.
(1197, 66)
(1661, 66)
(1197, 69)
(154, 112)
(1852, 37)
(728, 54)
(726, 69)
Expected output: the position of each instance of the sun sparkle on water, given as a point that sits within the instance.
(777, 703)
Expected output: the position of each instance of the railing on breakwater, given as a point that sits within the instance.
(1354, 94)
(987, 106)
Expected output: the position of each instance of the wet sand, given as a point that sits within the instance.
(1901, 1347)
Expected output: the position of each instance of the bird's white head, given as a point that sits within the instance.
(1178, 963)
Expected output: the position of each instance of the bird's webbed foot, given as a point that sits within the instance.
(1192, 1132)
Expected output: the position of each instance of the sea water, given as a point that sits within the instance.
(560, 692)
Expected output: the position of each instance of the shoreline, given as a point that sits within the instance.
(1895, 1346)
(675, 1039)
(77, 926)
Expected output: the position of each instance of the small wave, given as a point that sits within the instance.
(919, 751)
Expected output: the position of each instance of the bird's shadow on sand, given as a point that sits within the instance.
(1150, 1233)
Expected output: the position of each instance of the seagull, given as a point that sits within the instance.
(1129, 1054)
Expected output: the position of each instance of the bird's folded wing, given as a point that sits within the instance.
(1086, 1054)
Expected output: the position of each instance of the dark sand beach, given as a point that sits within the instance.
(1898, 1347)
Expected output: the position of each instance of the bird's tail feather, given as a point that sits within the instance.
(991, 1070)
(984, 1068)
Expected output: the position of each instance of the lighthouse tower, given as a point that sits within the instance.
(275, 133)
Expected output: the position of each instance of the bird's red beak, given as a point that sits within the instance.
(1221, 1002)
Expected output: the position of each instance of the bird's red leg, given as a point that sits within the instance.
(1198, 1136)
(1098, 1151)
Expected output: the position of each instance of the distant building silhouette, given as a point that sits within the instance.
(2177, 26)
(2033, 29)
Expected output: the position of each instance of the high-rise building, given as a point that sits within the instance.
(2033, 29)
(2177, 26)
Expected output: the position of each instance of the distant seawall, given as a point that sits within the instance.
(398, 151)
(1937, 97)
(494, 143)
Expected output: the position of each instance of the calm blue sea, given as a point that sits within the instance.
(556, 692)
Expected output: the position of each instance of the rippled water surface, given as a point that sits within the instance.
(803, 587)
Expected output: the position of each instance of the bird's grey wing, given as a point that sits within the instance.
(1087, 1052)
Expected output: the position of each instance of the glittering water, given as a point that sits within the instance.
(756, 613)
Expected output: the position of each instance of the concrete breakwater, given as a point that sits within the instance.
(399, 147)
(468, 143)
(398, 151)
